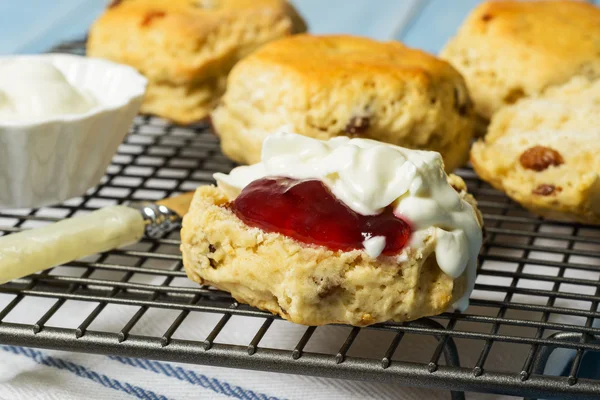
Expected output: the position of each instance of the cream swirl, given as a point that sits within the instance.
(32, 90)
(368, 176)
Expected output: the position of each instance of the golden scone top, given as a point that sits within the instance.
(321, 57)
(510, 49)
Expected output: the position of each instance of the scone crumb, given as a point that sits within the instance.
(367, 319)
(539, 158)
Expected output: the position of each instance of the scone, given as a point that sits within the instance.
(326, 86)
(507, 50)
(317, 239)
(186, 48)
(544, 152)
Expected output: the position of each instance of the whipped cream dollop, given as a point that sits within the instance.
(33, 90)
(368, 176)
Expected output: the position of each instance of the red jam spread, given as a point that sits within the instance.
(307, 211)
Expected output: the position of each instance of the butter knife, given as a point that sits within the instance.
(37, 249)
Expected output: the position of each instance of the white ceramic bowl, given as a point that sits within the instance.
(51, 160)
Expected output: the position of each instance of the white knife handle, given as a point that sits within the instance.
(35, 250)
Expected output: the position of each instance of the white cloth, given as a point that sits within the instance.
(27, 374)
(43, 374)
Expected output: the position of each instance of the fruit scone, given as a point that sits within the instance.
(340, 231)
(544, 152)
(508, 49)
(327, 86)
(186, 48)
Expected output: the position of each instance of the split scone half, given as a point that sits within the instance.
(544, 152)
(305, 265)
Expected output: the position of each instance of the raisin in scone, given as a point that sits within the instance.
(544, 152)
(507, 50)
(327, 86)
(317, 239)
(186, 48)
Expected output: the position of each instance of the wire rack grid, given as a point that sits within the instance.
(537, 291)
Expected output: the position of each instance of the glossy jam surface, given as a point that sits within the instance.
(307, 211)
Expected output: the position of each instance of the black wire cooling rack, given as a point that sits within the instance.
(537, 291)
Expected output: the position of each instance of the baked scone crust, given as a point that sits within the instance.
(183, 104)
(326, 86)
(308, 284)
(187, 47)
(565, 119)
(507, 49)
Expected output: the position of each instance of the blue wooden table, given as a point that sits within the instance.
(32, 26)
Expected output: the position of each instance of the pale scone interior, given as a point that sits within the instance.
(544, 152)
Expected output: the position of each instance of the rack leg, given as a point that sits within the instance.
(541, 360)
(450, 351)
